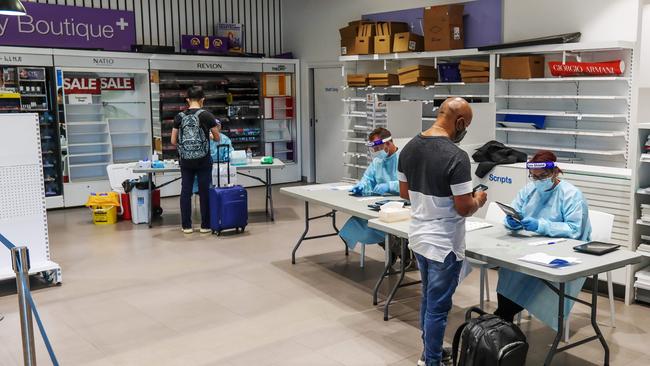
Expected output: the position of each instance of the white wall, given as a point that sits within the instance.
(310, 28)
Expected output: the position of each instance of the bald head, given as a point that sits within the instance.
(454, 108)
(454, 117)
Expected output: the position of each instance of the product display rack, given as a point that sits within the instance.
(232, 98)
(27, 89)
(279, 115)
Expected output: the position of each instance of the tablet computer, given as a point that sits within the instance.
(596, 248)
(510, 211)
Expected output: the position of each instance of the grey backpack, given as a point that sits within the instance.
(192, 142)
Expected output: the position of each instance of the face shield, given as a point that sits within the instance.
(539, 171)
(376, 147)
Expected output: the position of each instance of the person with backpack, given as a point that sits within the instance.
(191, 134)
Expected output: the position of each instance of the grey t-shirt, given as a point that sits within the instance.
(436, 170)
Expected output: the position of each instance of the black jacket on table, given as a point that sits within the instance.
(494, 153)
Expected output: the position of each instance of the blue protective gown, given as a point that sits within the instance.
(381, 170)
(562, 213)
(221, 155)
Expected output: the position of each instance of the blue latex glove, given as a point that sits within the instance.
(381, 189)
(530, 224)
(512, 223)
(357, 190)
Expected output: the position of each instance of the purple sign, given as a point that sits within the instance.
(204, 44)
(48, 25)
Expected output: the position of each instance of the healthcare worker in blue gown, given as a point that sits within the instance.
(549, 207)
(379, 179)
(222, 154)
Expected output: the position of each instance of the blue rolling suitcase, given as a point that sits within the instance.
(228, 206)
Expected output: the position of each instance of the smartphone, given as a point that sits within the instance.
(480, 188)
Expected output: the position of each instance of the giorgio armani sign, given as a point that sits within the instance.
(69, 26)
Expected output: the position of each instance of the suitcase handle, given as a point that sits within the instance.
(218, 165)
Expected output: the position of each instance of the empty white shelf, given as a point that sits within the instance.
(429, 119)
(429, 55)
(644, 126)
(88, 164)
(89, 154)
(354, 115)
(568, 79)
(570, 150)
(354, 99)
(575, 97)
(460, 83)
(442, 96)
(558, 131)
(358, 166)
(85, 123)
(130, 133)
(357, 141)
(88, 144)
(641, 222)
(128, 146)
(87, 133)
(567, 114)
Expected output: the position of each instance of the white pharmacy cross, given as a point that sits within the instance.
(122, 24)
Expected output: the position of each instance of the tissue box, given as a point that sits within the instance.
(394, 214)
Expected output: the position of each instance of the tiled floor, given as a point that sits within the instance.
(138, 296)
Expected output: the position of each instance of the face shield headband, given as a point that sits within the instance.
(373, 145)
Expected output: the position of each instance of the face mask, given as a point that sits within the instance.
(460, 134)
(381, 154)
(544, 184)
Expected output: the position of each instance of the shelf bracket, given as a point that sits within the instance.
(435, 62)
(385, 65)
(343, 71)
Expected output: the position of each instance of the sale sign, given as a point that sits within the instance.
(96, 85)
(81, 86)
(116, 83)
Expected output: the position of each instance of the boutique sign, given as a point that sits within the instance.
(48, 25)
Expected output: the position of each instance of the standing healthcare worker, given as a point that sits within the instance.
(549, 207)
(379, 179)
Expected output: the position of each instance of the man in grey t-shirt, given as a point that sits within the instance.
(435, 175)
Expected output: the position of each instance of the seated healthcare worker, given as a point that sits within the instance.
(549, 207)
(379, 179)
(221, 155)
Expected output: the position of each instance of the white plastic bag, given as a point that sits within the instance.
(221, 173)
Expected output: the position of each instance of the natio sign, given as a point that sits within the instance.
(69, 26)
(96, 85)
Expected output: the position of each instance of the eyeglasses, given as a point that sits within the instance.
(540, 176)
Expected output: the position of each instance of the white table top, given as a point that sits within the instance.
(336, 199)
(254, 165)
(501, 247)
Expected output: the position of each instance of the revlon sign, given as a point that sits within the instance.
(96, 85)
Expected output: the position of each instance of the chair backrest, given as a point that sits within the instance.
(601, 225)
(495, 214)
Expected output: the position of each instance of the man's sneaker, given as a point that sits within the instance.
(446, 357)
(188, 231)
(205, 231)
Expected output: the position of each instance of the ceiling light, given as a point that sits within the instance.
(12, 7)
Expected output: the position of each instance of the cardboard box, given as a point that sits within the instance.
(364, 45)
(357, 80)
(474, 74)
(522, 67)
(475, 64)
(416, 80)
(407, 42)
(383, 44)
(347, 46)
(348, 36)
(366, 30)
(390, 28)
(476, 80)
(383, 79)
(423, 74)
(443, 28)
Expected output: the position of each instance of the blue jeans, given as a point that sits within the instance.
(439, 281)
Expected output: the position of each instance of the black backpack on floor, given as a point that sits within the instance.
(488, 341)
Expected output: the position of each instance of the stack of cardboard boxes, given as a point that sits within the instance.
(474, 71)
(417, 75)
(442, 25)
(383, 79)
(522, 67)
(357, 80)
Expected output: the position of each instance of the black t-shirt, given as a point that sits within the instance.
(207, 121)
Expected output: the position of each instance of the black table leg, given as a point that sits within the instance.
(304, 236)
(560, 327)
(594, 309)
(336, 230)
(402, 273)
(384, 273)
(150, 189)
(269, 195)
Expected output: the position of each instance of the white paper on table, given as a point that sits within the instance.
(545, 242)
(346, 187)
(545, 259)
(327, 187)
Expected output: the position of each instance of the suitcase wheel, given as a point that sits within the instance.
(157, 211)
